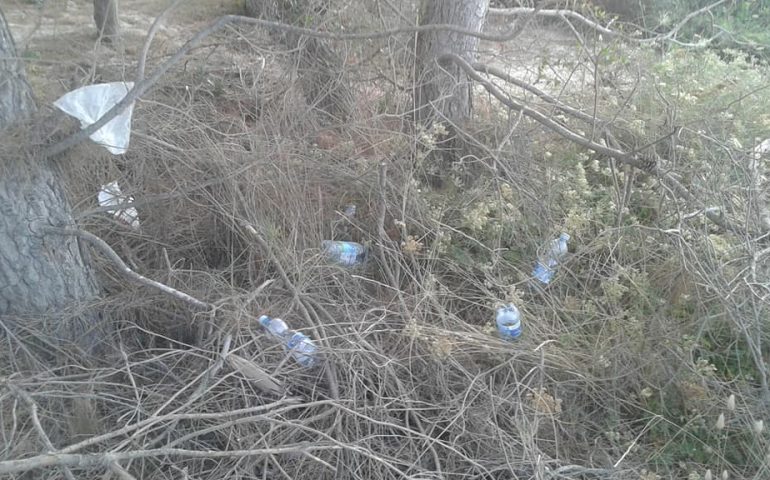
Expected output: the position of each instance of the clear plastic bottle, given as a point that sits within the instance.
(554, 253)
(302, 349)
(275, 326)
(300, 345)
(350, 211)
(344, 253)
(509, 322)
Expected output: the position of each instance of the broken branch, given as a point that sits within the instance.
(629, 158)
(103, 247)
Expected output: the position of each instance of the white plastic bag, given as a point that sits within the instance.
(89, 103)
(110, 195)
(762, 148)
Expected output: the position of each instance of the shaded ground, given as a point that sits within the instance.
(453, 381)
(60, 34)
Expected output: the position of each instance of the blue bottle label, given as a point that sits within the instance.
(508, 322)
(510, 332)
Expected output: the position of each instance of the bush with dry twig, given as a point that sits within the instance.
(644, 357)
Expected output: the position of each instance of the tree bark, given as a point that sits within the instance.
(442, 89)
(40, 274)
(15, 94)
(106, 18)
(324, 81)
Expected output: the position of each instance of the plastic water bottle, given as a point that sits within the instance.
(350, 211)
(509, 322)
(300, 345)
(555, 252)
(275, 326)
(344, 253)
(302, 349)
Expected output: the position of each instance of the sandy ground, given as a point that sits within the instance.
(58, 40)
(61, 33)
(540, 55)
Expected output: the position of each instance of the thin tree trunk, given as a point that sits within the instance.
(106, 18)
(442, 89)
(40, 275)
(15, 94)
(322, 71)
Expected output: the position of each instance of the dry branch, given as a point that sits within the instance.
(255, 375)
(26, 398)
(277, 407)
(382, 207)
(554, 102)
(472, 393)
(121, 472)
(103, 247)
(306, 307)
(106, 459)
(150, 35)
(564, 14)
(633, 159)
(204, 385)
(671, 34)
(143, 86)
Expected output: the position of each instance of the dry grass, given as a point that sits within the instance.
(413, 382)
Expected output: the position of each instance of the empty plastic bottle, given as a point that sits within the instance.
(300, 345)
(509, 322)
(275, 326)
(554, 253)
(350, 211)
(302, 349)
(344, 253)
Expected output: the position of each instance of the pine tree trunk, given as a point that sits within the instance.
(322, 72)
(443, 90)
(40, 274)
(106, 18)
(15, 94)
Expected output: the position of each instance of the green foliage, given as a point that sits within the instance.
(741, 26)
(642, 287)
(730, 355)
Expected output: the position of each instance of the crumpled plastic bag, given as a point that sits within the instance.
(89, 103)
(762, 148)
(110, 195)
